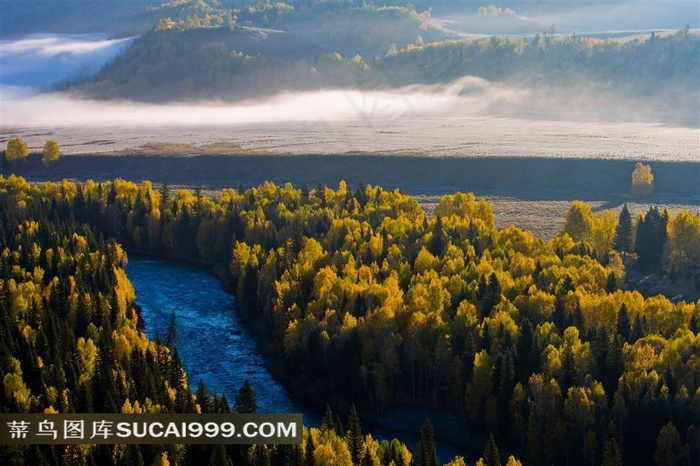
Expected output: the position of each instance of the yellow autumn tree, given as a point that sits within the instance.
(683, 249)
(642, 180)
(50, 153)
(17, 150)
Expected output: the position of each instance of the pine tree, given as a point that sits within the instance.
(624, 326)
(367, 457)
(309, 451)
(427, 454)
(339, 426)
(201, 396)
(611, 284)
(437, 242)
(171, 334)
(355, 440)
(651, 238)
(246, 401)
(569, 368)
(611, 455)
(623, 232)
(491, 456)
(218, 456)
(328, 422)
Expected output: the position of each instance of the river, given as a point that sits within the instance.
(216, 347)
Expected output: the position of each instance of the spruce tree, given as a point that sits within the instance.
(309, 451)
(246, 401)
(623, 232)
(611, 455)
(491, 456)
(171, 334)
(651, 238)
(355, 440)
(611, 284)
(427, 454)
(328, 422)
(624, 326)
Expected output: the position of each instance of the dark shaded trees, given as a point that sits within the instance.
(624, 231)
(246, 400)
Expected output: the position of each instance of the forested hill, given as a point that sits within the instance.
(229, 50)
(217, 63)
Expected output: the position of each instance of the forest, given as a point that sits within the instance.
(71, 341)
(198, 50)
(209, 63)
(134, 17)
(366, 302)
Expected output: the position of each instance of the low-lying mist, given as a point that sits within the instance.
(468, 96)
(463, 98)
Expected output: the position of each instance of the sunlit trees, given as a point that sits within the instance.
(683, 248)
(580, 221)
(597, 232)
(17, 150)
(642, 180)
(365, 300)
(50, 153)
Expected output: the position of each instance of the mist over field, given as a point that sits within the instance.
(469, 96)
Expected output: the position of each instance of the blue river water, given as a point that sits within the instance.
(215, 346)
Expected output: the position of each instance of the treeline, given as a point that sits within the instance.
(656, 242)
(70, 340)
(368, 301)
(208, 63)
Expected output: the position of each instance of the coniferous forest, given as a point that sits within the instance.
(364, 301)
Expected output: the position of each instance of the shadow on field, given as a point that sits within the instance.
(524, 178)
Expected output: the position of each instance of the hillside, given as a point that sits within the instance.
(218, 63)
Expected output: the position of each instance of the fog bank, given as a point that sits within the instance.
(468, 96)
(44, 60)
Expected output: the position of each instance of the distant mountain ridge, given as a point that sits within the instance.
(230, 50)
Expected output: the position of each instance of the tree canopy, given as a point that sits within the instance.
(50, 153)
(642, 180)
(368, 301)
(17, 150)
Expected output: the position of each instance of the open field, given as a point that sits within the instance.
(531, 165)
(374, 123)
